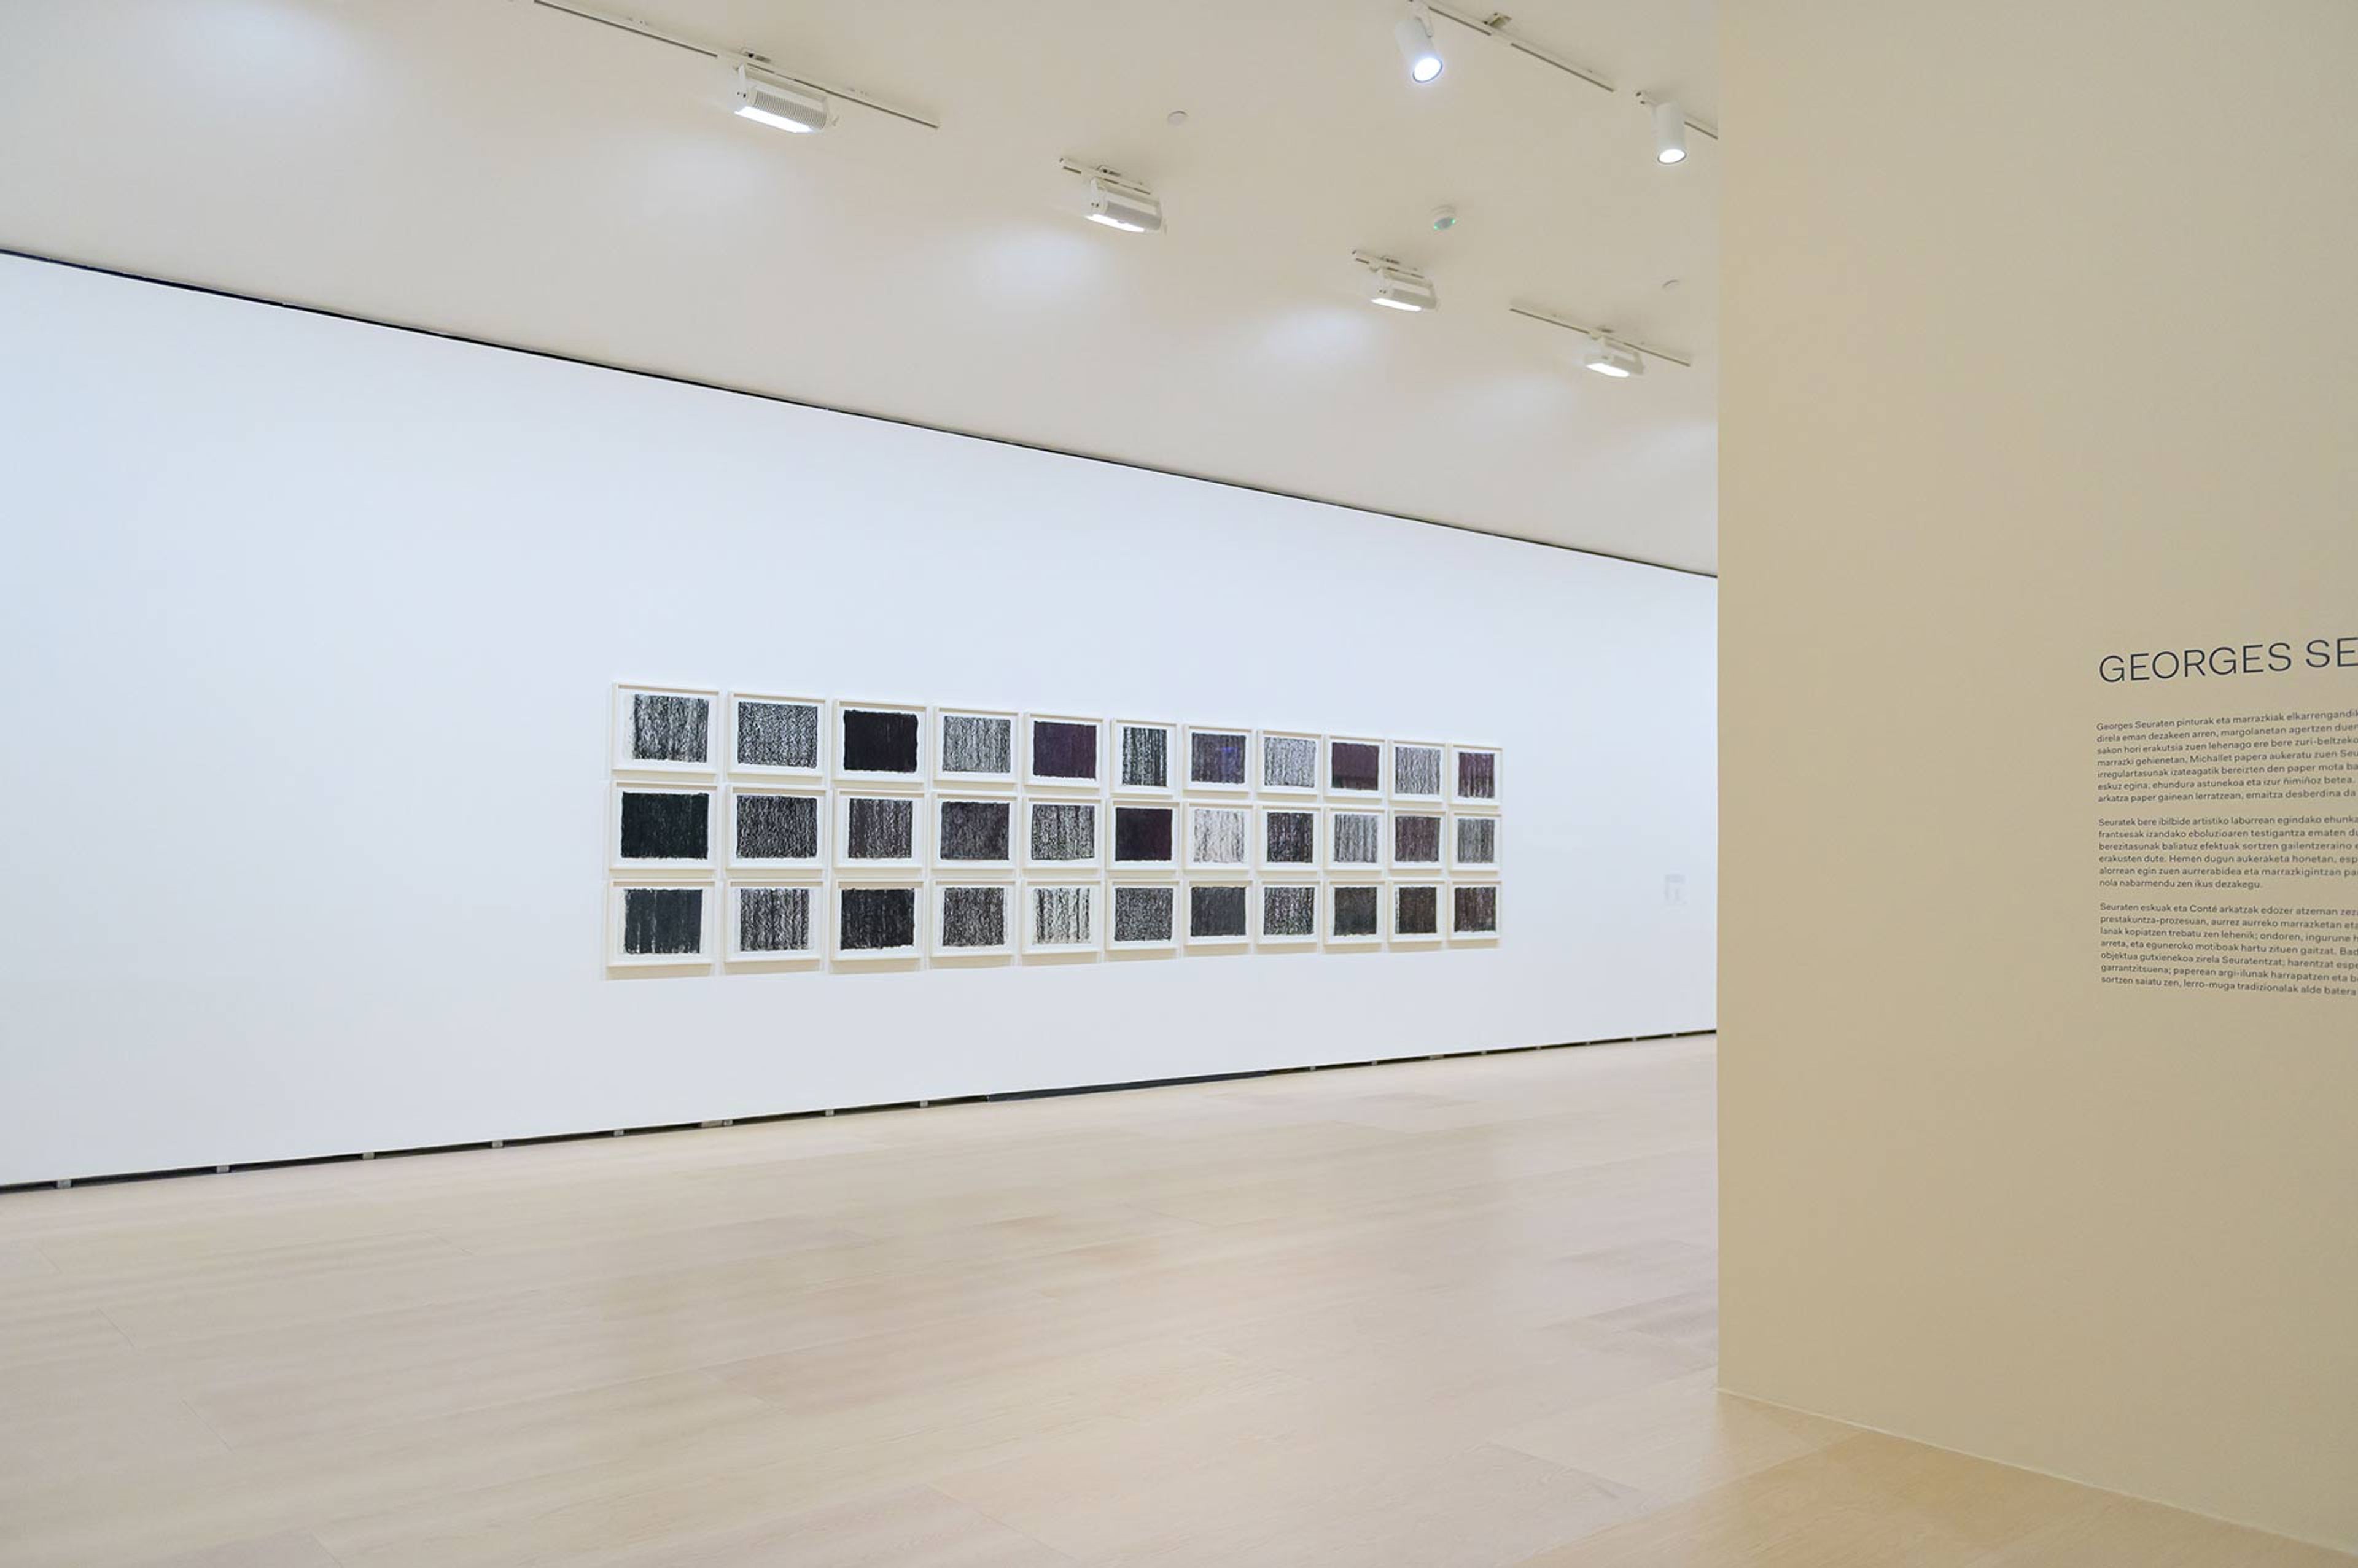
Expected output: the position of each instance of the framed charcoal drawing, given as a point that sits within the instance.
(974, 920)
(1061, 917)
(1285, 914)
(1063, 753)
(1287, 839)
(1474, 842)
(1217, 914)
(1145, 838)
(1354, 914)
(974, 833)
(1473, 912)
(879, 832)
(1061, 834)
(1143, 917)
(880, 742)
(876, 920)
(1355, 840)
(1219, 837)
(777, 829)
(663, 730)
(774, 923)
(662, 827)
(1417, 767)
(653, 924)
(776, 737)
(1474, 775)
(1416, 840)
(1217, 758)
(1289, 762)
(1354, 768)
(974, 746)
(1145, 757)
(1415, 913)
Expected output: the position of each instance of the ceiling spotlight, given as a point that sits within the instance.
(1397, 288)
(1414, 33)
(1608, 358)
(1129, 208)
(787, 105)
(1669, 132)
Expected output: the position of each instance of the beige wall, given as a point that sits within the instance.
(2041, 342)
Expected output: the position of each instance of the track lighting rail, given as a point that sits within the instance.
(1601, 335)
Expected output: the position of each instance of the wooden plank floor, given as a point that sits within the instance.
(1451, 1312)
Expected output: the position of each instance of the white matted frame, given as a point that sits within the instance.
(1265, 825)
(656, 865)
(1462, 922)
(1007, 808)
(838, 900)
(1397, 907)
(633, 727)
(1397, 777)
(812, 897)
(1301, 895)
(1084, 898)
(1330, 911)
(1165, 809)
(1174, 902)
(1236, 893)
(1459, 755)
(633, 923)
(1200, 815)
(1379, 829)
(1028, 822)
(843, 713)
(847, 812)
(1118, 743)
(944, 772)
(783, 865)
(1454, 840)
(1034, 778)
(1217, 740)
(1304, 763)
(1327, 773)
(938, 912)
(1398, 861)
(747, 731)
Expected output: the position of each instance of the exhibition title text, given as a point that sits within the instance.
(2231, 659)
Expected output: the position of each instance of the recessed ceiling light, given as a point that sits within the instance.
(1669, 132)
(1414, 34)
(1132, 208)
(1615, 360)
(782, 104)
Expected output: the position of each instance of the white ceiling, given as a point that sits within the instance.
(493, 168)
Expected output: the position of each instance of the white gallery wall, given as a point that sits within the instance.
(309, 637)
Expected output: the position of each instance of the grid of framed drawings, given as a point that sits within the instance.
(761, 830)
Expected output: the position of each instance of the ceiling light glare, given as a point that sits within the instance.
(1414, 33)
(1397, 288)
(782, 105)
(1610, 359)
(1130, 208)
(1669, 134)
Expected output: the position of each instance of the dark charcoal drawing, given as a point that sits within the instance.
(1477, 775)
(663, 921)
(1416, 839)
(1359, 838)
(1062, 917)
(1417, 912)
(1063, 750)
(777, 827)
(974, 829)
(1063, 832)
(1146, 756)
(1289, 910)
(1416, 770)
(1478, 908)
(1478, 840)
(1355, 911)
(878, 919)
(1293, 838)
(1355, 765)
(668, 729)
(973, 743)
(876, 741)
(1216, 910)
(974, 917)
(774, 920)
(1289, 762)
(1216, 836)
(1142, 833)
(777, 734)
(879, 827)
(1143, 913)
(666, 826)
(1216, 757)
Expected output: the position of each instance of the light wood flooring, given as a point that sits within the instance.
(1450, 1313)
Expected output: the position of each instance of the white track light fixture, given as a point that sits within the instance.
(1132, 208)
(1395, 286)
(1414, 33)
(787, 107)
(1669, 132)
(1611, 359)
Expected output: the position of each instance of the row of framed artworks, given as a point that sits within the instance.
(693, 829)
(675, 731)
(690, 925)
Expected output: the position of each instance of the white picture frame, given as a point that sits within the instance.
(847, 814)
(628, 922)
(1380, 831)
(938, 912)
(837, 892)
(1219, 738)
(1459, 752)
(1329, 910)
(852, 760)
(1266, 822)
(1091, 903)
(623, 810)
(945, 775)
(1028, 822)
(1115, 894)
(625, 734)
(1306, 891)
(1328, 772)
(1034, 779)
(1288, 744)
(1166, 808)
(743, 731)
(1005, 805)
(1197, 820)
(775, 866)
(1396, 860)
(1455, 897)
(1234, 892)
(1118, 753)
(1454, 835)
(814, 900)
(1393, 913)
(1398, 777)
